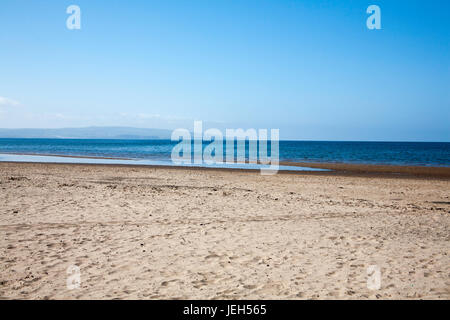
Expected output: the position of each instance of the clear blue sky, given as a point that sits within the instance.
(310, 68)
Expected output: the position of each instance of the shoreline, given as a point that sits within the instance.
(282, 162)
(402, 171)
(334, 169)
(63, 156)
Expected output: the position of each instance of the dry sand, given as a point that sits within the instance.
(160, 233)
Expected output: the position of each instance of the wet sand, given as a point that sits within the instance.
(189, 233)
(374, 170)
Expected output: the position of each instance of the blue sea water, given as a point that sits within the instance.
(393, 153)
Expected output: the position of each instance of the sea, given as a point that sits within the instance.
(154, 152)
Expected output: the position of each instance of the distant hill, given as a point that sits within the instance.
(88, 133)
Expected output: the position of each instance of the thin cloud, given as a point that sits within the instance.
(8, 102)
(148, 116)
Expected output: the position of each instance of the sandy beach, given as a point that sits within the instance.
(170, 233)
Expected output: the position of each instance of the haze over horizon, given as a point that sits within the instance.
(129, 133)
(310, 68)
